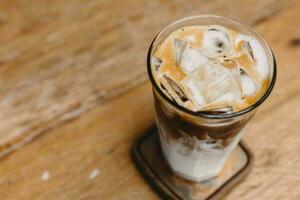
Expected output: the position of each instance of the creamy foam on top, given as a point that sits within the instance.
(211, 68)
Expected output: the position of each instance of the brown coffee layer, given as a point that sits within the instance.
(176, 126)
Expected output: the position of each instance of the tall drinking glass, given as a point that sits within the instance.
(183, 133)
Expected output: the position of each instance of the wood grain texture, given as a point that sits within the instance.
(101, 138)
(273, 135)
(59, 59)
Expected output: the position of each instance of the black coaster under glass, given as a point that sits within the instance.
(149, 160)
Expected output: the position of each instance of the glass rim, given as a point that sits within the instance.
(201, 113)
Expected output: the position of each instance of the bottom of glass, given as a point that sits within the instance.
(200, 163)
(149, 160)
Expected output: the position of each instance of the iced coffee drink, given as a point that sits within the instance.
(209, 75)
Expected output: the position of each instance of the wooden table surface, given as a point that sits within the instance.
(74, 94)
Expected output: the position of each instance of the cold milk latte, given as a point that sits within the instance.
(209, 74)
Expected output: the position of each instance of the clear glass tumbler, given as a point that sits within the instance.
(196, 144)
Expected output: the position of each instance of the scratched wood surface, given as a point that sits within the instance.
(75, 71)
(59, 59)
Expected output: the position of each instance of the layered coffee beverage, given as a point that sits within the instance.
(209, 74)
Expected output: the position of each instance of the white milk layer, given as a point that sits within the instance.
(198, 164)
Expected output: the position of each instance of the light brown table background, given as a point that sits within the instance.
(72, 77)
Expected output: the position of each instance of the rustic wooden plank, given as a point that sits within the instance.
(275, 141)
(273, 134)
(279, 33)
(59, 59)
(101, 139)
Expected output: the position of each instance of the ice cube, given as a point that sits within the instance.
(193, 88)
(255, 50)
(179, 47)
(260, 58)
(234, 67)
(156, 62)
(221, 110)
(217, 42)
(218, 84)
(248, 49)
(219, 105)
(164, 89)
(192, 59)
(175, 90)
(248, 84)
